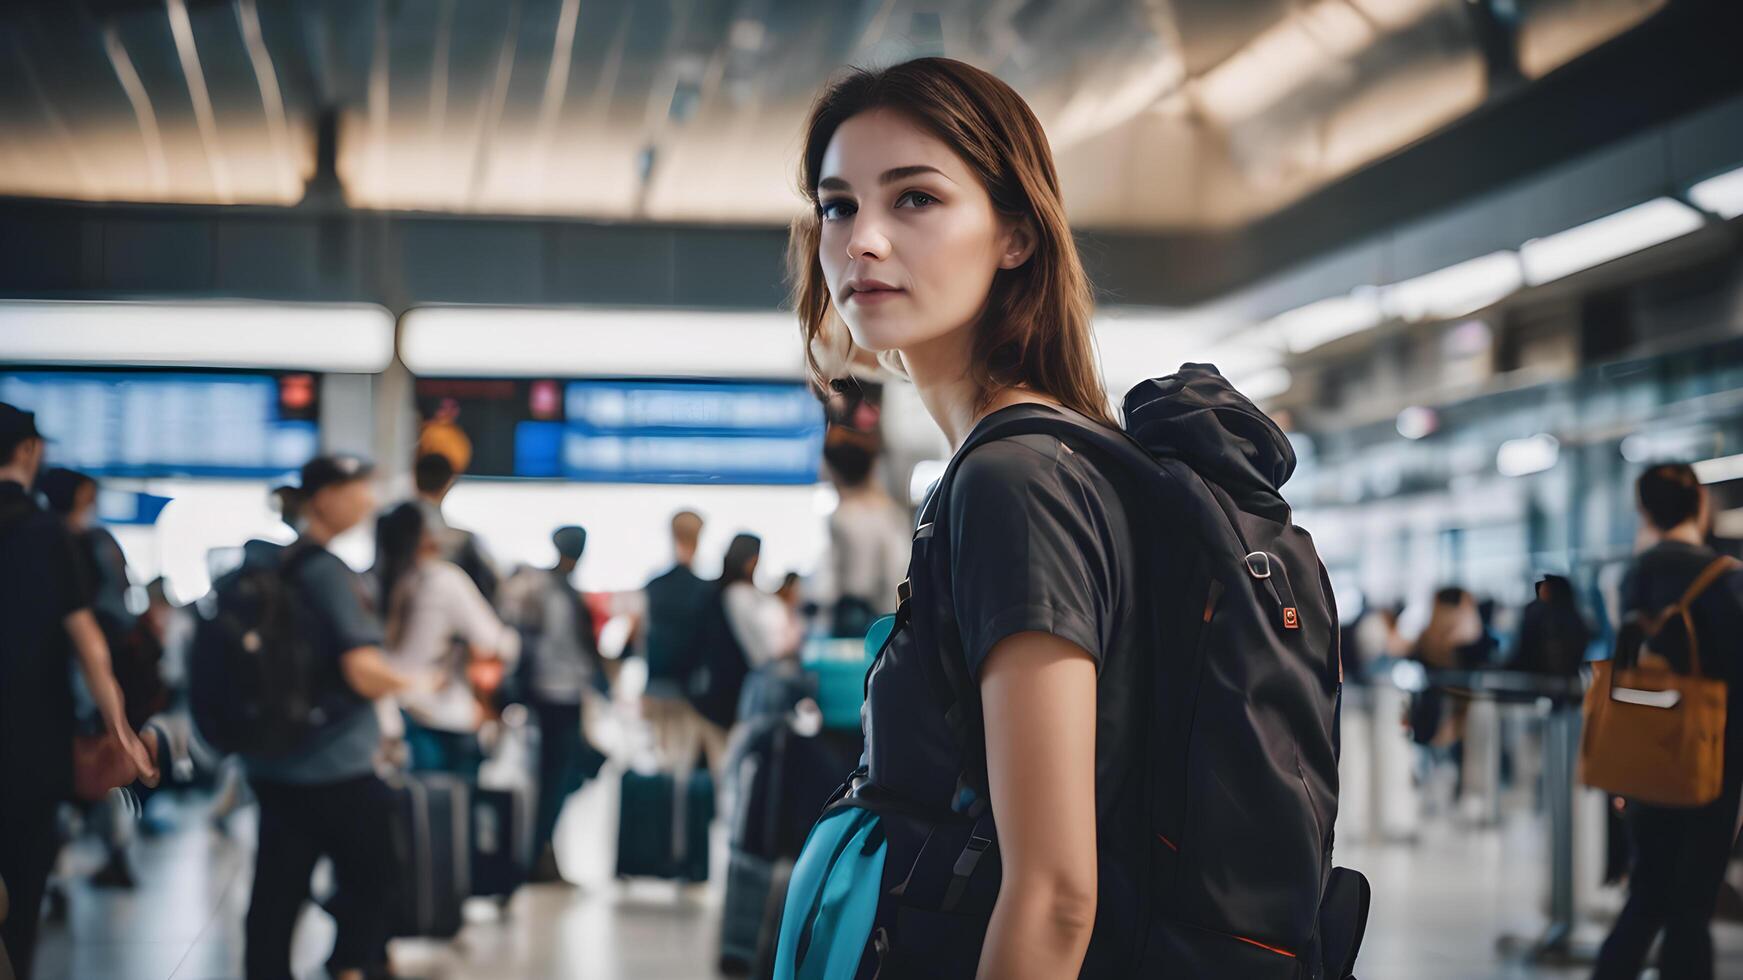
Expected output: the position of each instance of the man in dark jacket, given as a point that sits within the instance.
(1680, 854)
(678, 605)
(45, 621)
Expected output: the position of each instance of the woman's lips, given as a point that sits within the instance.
(874, 295)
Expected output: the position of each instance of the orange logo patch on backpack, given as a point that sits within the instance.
(1291, 619)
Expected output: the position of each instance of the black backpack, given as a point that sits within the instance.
(1246, 683)
(253, 682)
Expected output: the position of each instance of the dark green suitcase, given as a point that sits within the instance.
(655, 839)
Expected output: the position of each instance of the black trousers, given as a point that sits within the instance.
(29, 843)
(350, 822)
(566, 761)
(1680, 857)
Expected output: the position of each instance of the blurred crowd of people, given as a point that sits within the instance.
(1673, 857)
(432, 661)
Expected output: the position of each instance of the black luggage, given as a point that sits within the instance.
(502, 840)
(432, 833)
(750, 920)
(783, 781)
(658, 838)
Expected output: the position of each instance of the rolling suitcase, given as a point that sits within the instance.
(502, 840)
(658, 839)
(433, 838)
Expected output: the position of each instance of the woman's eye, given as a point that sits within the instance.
(918, 199)
(830, 210)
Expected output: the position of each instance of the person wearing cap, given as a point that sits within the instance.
(45, 621)
(323, 797)
(564, 661)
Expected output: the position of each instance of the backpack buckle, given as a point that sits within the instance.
(1259, 565)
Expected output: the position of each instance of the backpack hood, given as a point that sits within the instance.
(1196, 416)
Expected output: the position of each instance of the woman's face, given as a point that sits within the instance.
(910, 240)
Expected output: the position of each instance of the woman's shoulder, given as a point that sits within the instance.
(439, 573)
(1024, 465)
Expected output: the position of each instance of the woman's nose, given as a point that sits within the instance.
(868, 239)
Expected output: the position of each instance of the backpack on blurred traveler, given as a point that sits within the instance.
(1242, 742)
(1651, 733)
(252, 678)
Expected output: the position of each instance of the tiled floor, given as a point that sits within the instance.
(1440, 907)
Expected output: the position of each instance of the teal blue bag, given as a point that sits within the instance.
(832, 898)
(833, 895)
(885, 888)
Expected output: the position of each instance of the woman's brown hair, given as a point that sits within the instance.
(1035, 327)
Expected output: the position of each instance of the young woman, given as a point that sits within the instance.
(939, 239)
(757, 619)
(428, 603)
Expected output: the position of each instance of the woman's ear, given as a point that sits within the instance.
(1020, 242)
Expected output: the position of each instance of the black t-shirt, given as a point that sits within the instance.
(1039, 541)
(41, 583)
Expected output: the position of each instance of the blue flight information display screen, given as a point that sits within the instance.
(640, 431)
(164, 423)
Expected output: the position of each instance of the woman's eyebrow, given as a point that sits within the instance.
(889, 176)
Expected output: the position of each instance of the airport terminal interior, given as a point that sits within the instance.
(521, 267)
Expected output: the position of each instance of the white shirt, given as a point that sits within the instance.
(759, 623)
(444, 605)
(870, 536)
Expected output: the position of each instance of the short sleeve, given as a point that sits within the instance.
(1030, 549)
(335, 590)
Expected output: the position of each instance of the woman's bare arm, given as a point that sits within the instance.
(1038, 695)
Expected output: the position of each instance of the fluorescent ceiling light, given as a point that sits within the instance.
(1523, 457)
(1418, 422)
(355, 339)
(1673, 444)
(480, 341)
(1720, 470)
(1317, 324)
(1455, 290)
(1610, 237)
(1721, 195)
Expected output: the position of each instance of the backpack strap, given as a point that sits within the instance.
(1705, 580)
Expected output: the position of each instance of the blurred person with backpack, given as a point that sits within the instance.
(257, 553)
(562, 662)
(1680, 852)
(286, 665)
(1083, 602)
(46, 626)
(437, 622)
